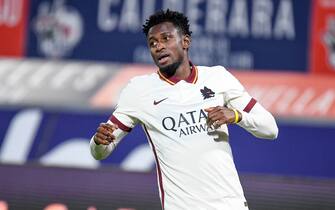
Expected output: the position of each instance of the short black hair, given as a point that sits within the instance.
(179, 20)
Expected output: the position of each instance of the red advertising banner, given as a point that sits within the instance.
(323, 37)
(292, 95)
(13, 17)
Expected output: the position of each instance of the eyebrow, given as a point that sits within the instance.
(163, 33)
(166, 33)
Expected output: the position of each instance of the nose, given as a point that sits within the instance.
(160, 46)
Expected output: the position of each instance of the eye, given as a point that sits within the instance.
(152, 43)
(166, 38)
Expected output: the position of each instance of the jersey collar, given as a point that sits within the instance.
(192, 78)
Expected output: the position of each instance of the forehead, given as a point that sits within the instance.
(164, 27)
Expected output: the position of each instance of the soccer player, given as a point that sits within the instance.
(184, 110)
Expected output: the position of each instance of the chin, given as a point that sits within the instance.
(169, 69)
(164, 66)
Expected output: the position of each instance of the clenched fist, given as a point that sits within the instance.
(221, 115)
(104, 134)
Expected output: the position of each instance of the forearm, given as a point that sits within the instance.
(254, 117)
(259, 122)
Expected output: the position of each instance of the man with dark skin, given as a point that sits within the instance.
(186, 124)
(169, 50)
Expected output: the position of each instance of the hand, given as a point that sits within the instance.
(104, 134)
(220, 115)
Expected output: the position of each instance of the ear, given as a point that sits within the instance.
(186, 41)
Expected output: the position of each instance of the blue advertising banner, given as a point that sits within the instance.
(54, 138)
(240, 34)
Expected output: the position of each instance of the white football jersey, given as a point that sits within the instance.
(195, 167)
(194, 163)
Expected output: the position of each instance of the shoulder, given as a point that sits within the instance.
(141, 82)
(135, 89)
(212, 70)
(144, 77)
(219, 76)
(139, 86)
(219, 72)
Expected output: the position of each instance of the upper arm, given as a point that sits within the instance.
(126, 112)
(255, 118)
(235, 95)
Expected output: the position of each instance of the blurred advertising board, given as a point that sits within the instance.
(61, 138)
(96, 86)
(13, 20)
(52, 83)
(255, 34)
(323, 37)
(293, 95)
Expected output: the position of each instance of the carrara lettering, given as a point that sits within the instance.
(259, 19)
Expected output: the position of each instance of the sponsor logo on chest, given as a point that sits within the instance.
(187, 123)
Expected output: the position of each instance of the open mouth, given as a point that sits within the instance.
(163, 58)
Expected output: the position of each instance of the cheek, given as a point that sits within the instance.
(178, 50)
(152, 52)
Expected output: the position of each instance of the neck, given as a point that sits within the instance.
(184, 70)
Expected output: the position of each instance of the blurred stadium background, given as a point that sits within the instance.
(63, 63)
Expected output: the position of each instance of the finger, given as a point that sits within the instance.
(209, 109)
(105, 142)
(108, 130)
(101, 135)
(214, 115)
(106, 136)
(110, 138)
(218, 123)
(103, 131)
(110, 134)
(108, 126)
(100, 139)
(210, 122)
(214, 110)
(224, 114)
(218, 118)
(214, 124)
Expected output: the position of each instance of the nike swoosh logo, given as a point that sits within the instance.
(157, 102)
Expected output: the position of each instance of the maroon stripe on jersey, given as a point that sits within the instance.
(119, 124)
(192, 78)
(250, 105)
(159, 172)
